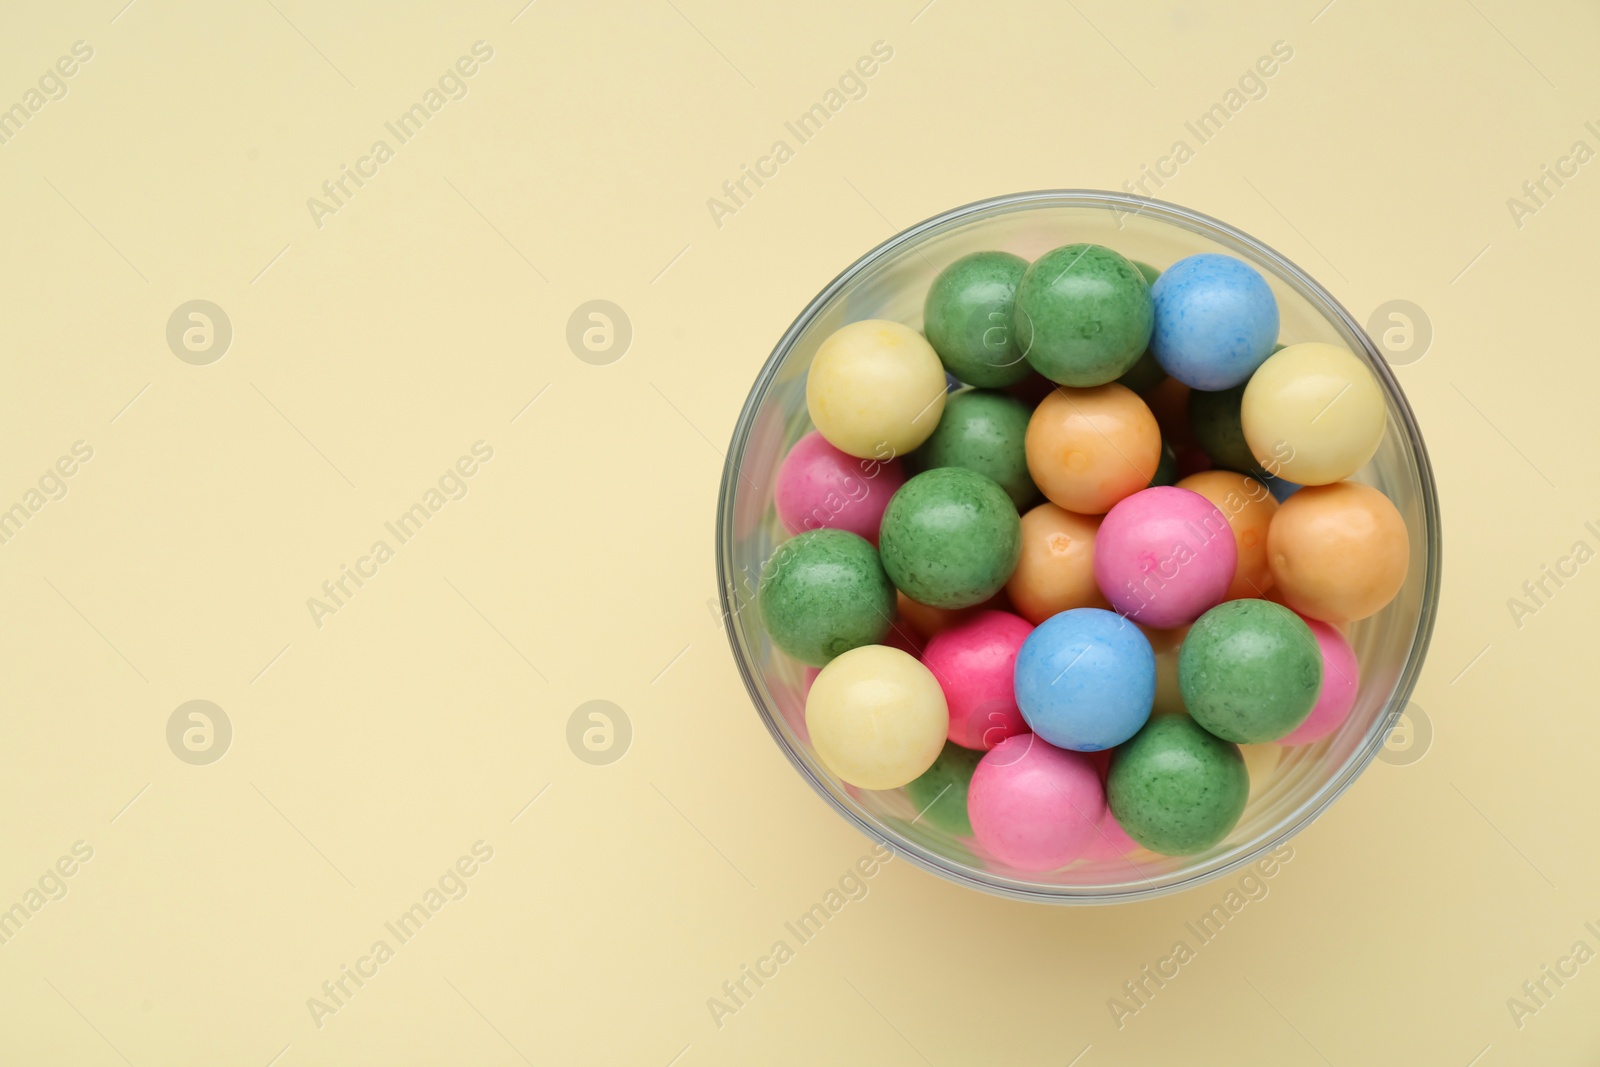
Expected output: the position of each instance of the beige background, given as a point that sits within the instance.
(431, 309)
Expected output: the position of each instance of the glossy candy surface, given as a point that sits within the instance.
(940, 793)
(967, 317)
(1085, 680)
(1083, 315)
(1089, 448)
(1033, 806)
(1175, 788)
(983, 431)
(974, 662)
(1249, 507)
(1215, 321)
(1164, 556)
(822, 593)
(820, 487)
(1313, 414)
(1056, 568)
(950, 538)
(1338, 552)
(1341, 681)
(1250, 671)
(876, 717)
(875, 389)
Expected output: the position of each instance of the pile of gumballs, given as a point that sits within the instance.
(1060, 554)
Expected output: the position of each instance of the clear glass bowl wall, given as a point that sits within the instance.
(890, 283)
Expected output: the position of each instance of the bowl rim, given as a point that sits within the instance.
(1126, 204)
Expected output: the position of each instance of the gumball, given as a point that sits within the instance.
(822, 593)
(819, 486)
(1313, 414)
(1168, 401)
(1144, 375)
(983, 431)
(1338, 552)
(967, 318)
(1110, 840)
(950, 538)
(1034, 807)
(1165, 645)
(1149, 273)
(1249, 507)
(1250, 671)
(940, 793)
(975, 663)
(1175, 788)
(877, 717)
(875, 389)
(1163, 556)
(1056, 568)
(1214, 418)
(1341, 680)
(1085, 680)
(1215, 321)
(923, 621)
(1083, 315)
(1089, 448)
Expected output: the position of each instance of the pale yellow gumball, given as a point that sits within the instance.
(1313, 413)
(1260, 761)
(877, 717)
(876, 389)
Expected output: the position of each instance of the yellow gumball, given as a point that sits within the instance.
(1261, 761)
(877, 717)
(1313, 413)
(875, 389)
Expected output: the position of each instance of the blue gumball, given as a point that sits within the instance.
(1216, 321)
(1086, 679)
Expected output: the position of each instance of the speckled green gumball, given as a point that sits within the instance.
(1175, 788)
(823, 593)
(1214, 418)
(950, 538)
(1149, 273)
(1083, 315)
(967, 319)
(985, 432)
(940, 794)
(1249, 671)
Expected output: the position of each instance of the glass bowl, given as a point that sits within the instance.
(890, 282)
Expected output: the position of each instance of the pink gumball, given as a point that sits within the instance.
(975, 663)
(1110, 841)
(1033, 806)
(1341, 679)
(1164, 556)
(820, 486)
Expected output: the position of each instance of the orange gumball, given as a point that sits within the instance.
(1089, 448)
(1338, 552)
(1169, 403)
(1056, 570)
(1249, 507)
(923, 621)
